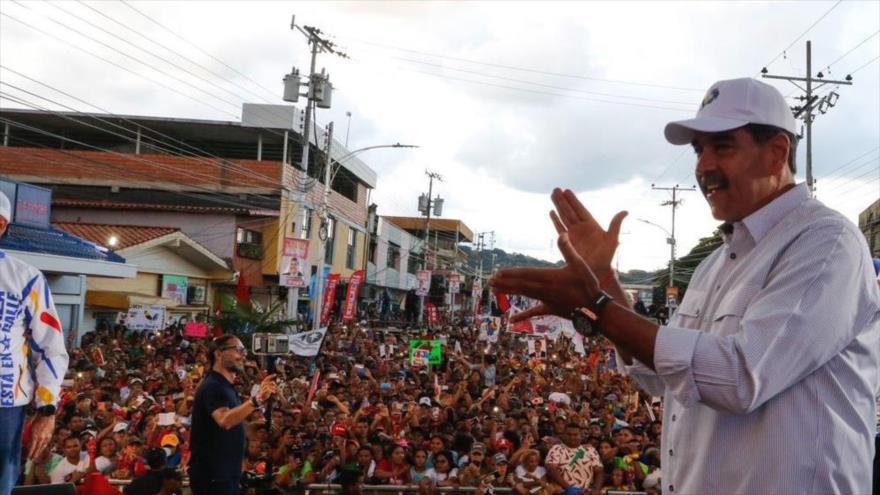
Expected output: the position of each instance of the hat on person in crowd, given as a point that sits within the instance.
(503, 444)
(559, 398)
(134, 380)
(169, 440)
(121, 426)
(385, 386)
(499, 458)
(732, 104)
(339, 430)
(425, 401)
(478, 447)
(5, 207)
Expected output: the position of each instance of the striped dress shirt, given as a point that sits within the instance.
(770, 366)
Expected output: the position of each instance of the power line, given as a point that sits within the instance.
(549, 86)
(817, 21)
(546, 93)
(132, 7)
(838, 59)
(171, 148)
(524, 69)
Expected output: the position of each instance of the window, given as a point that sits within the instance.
(374, 245)
(305, 223)
(331, 236)
(351, 248)
(249, 244)
(393, 256)
(412, 264)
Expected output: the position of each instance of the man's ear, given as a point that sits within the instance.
(778, 148)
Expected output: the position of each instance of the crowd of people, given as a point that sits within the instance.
(489, 416)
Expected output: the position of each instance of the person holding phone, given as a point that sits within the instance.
(217, 437)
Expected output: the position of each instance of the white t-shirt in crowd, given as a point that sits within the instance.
(538, 473)
(434, 476)
(104, 465)
(65, 468)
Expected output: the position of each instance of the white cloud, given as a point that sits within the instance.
(500, 150)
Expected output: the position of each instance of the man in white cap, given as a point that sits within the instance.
(770, 365)
(33, 359)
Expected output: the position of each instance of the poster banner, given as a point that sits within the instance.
(433, 316)
(146, 318)
(454, 280)
(294, 263)
(423, 282)
(349, 310)
(174, 287)
(196, 329)
(329, 297)
(425, 352)
(490, 327)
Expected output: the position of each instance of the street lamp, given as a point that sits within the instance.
(322, 238)
(669, 240)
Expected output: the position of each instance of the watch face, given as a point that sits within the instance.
(582, 324)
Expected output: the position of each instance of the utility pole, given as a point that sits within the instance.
(323, 232)
(425, 208)
(671, 240)
(318, 93)
(811, 102)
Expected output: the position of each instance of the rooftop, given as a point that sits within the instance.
(126, 235)
(53, 241)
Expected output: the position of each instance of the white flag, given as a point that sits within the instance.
(307, 343)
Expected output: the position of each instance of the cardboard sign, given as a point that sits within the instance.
(196, 329)
(425, 352)
(146, 318)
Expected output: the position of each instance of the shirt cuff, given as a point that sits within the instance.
(673, 358)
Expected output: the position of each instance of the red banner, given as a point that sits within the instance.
(313, 387)
(354, 286)
(433, 317)
(329, 298)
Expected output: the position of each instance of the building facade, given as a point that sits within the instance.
(869, 224)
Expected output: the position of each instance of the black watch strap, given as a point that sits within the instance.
(254, 402)
(598, 304)
(47, 410)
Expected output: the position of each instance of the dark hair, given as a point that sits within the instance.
(217, 344)
(156, 459)
(762, 134)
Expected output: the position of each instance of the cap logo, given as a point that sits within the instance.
(711, 96)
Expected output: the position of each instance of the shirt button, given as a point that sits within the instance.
(670, 452)
(671, 488)
(674, 417)
(733, 256)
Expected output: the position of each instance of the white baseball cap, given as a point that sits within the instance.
(731, 104)
(5, 207)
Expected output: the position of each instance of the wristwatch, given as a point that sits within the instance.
(255, 403)
(48, 410)
(585, 319)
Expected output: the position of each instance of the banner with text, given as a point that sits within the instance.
(349, 311)
(329, 297)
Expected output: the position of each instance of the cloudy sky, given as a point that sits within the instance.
(505, 99)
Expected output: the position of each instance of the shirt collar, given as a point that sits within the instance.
(762, 221)
(759, 223)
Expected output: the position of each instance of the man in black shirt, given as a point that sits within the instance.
(217, 437)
